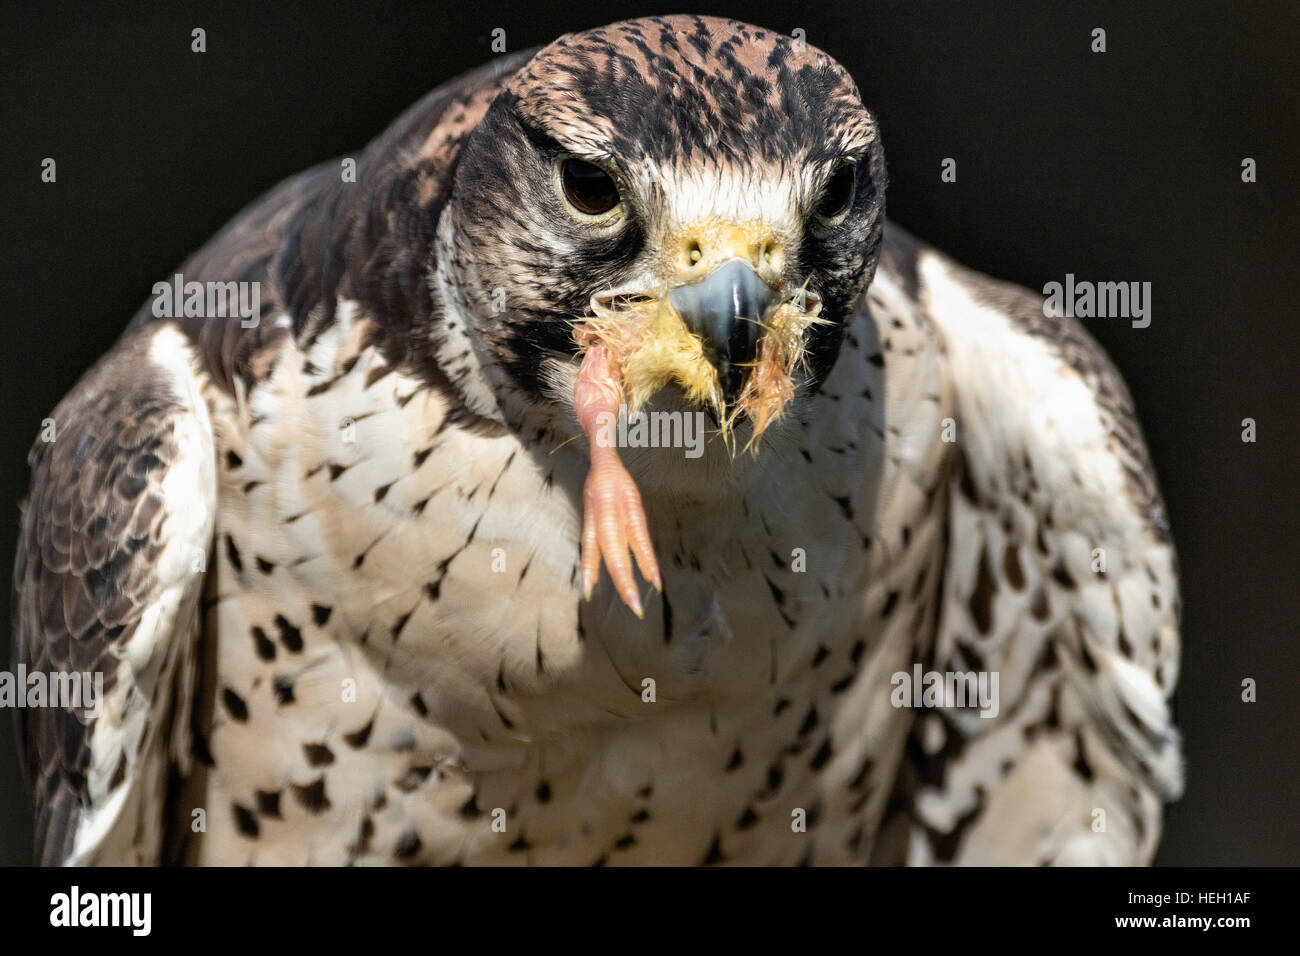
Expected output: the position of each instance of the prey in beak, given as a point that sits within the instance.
(727, 329)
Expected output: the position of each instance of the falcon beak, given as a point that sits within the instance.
(726, 309)
(726, 302)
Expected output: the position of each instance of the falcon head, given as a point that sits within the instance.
(703, 197)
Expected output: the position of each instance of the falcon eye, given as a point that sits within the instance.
(838, 194)
(587, 187)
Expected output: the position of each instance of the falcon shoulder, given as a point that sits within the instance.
(1060, 576)
(108, 575)
(332, 234)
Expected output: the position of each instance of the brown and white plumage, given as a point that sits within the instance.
(385, 480)
(114, 540)
(1061, 576)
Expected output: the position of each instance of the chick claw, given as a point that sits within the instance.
(613, 521)
(613, 517)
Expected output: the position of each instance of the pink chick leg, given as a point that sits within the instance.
(613, 518)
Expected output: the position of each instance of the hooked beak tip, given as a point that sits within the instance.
(726, 310)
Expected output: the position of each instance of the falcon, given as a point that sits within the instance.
(383, 571)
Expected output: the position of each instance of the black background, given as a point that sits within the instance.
(1122, 166)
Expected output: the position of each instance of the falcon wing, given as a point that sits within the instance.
(120, 518)
(108, 575)
(1060, 576)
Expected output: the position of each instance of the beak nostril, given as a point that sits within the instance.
(693, 252)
